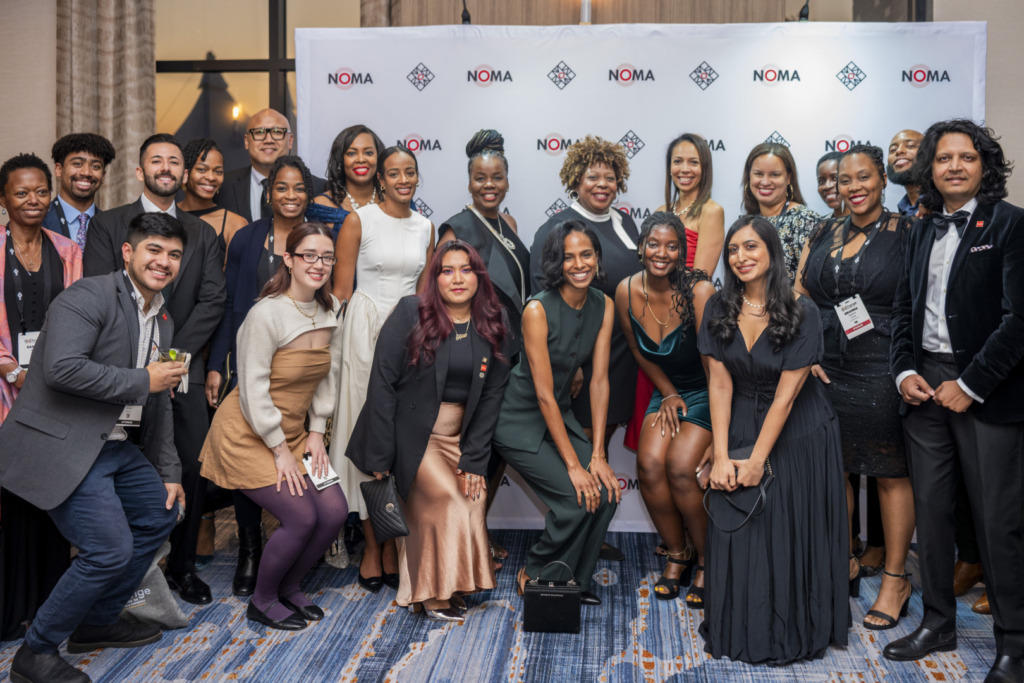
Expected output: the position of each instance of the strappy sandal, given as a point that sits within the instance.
(497, 551)
(671, 586)
(890, 621)
(695, 596)
(855, 581)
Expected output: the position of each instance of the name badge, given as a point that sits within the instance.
(26, 342)
(854, 317)
(329, 479)
(131, 416)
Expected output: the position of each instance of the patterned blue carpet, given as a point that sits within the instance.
(632, 637)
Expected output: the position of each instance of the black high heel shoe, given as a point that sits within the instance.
(695, 596)
(890, 621)
(372, 584)
(671, 586)
(855, 581)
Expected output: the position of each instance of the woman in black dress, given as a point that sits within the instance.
(776, 585)
(862, 256)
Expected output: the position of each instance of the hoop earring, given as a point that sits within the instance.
(573, 195)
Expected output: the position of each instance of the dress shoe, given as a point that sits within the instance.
(921, 642)
(447, 614)
(372, 584)
(965, 575)
(30, 666)
(1007, 669)
(390, 580)
(588, 598)
(121, 633)
(250, 552)
(307, 612)
(189, 587)
(459, 603)
(610, 552)
(293, 622)
(981, 606)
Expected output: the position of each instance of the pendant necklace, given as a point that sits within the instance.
(311, 316)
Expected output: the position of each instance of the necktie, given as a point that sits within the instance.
(264, 201)
(942, 221)
(83, 225)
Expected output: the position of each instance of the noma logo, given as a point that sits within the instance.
(627, 484)
(345, 78)
(843, 143)
(627, 74)
(716, 145)
(920, 76)
(773, 75)
(417, 143)
(554, 144)
(634, 212)
(484, 75)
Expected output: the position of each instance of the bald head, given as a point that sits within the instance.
(902, 152)
(263, 153)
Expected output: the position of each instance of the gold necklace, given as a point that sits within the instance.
(688, 207)
(312, 316)
(643, 279)
(29, 263)
(459, 336)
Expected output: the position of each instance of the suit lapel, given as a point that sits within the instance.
(190, 248)
(124, 299)
(441, 366)
(973, 234)
(481, 362)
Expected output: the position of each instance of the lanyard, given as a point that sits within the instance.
(60, 215)
(270, 247)
(16, 267)
(845, 236)
(148, 345)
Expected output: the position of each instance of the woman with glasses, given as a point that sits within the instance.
(255, 253)
(258, 443)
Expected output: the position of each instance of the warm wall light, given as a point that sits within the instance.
(235, 111)
(584, 11)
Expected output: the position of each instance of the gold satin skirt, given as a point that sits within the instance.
(446, 550)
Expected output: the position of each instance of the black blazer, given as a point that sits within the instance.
(234, 193)
(402, 403)
(51, 221)
(195, 299)
(984, 308)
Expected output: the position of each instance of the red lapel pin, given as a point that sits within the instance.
(980, 224)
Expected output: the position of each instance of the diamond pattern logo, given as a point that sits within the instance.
(423, 208)
(561, 75)
(851, 76)
(777, 139)
(633, 144)
(557, 207)
(420, 77)
(704, 76)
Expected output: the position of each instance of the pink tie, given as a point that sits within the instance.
(83, 225)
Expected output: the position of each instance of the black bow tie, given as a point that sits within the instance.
(942, 223)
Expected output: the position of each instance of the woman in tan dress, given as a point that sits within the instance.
(439, 373)
(289, 351)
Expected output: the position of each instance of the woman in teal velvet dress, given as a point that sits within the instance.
(660, 310)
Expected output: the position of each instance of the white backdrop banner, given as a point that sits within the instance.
(815, 87)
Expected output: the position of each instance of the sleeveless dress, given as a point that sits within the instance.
(777, 588)
(392, 253)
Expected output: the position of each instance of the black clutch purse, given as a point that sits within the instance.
(551, 606)
(384, 507)
(730, 510)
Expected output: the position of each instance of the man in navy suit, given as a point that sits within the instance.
(958, 360)
(80, 161)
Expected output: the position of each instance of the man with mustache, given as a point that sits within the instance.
(267, 138)
(902, 152)
(196, 304)
(80, 161)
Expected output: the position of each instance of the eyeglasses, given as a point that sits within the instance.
(276, 133)
(311, 258)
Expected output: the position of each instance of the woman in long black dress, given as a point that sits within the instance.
(777, 585)
(862, 256)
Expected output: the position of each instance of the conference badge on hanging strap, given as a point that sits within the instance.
(854, 317)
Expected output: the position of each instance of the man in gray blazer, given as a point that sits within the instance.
(90, 440)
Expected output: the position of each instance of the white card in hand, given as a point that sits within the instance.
(323, 482)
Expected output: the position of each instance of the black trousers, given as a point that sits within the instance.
(191, 422)
(991, 458)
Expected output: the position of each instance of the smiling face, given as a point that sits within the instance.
(488, 183)
(288, 195)
(26, 197)
(684, 167)
(827, 188)
(769, 181)
(861, 185)
(902, 152)
(662, 251)
(598, 188)
(748, 255)
(399, 178)
(307, 278)
(206, 176)
(153, 264)
(263, 153)
(579, 262)
(80, 175)
(162, 169)
(361, 160)
(457, 283)
(956, 169)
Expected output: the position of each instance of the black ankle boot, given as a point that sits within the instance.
(250, 550)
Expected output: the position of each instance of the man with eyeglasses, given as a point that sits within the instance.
(267, 137)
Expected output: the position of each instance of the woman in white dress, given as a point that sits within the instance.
(381, 250)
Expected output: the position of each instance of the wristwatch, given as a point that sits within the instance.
(12, 376)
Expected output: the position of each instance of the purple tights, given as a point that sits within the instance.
(309, 524)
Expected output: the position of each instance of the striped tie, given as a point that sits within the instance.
(83, 225)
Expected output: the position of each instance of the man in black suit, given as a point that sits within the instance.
(196, 303)
(957, 350)
(80, 161)
(267, 138)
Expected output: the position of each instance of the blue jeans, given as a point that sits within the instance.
(117, 520)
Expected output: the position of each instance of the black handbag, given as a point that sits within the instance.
(729, 511)
(551, 606)
(385, 508)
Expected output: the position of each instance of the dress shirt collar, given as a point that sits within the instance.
(969, 207)
(906, 208)
(71, 213)
(150, 207)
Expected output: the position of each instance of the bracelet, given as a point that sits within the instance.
(665, 398)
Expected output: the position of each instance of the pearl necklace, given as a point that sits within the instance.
(757, 306)
(356, 205)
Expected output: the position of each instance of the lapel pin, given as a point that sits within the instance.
(980, 224)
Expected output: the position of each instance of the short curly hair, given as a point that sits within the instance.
(592, 150)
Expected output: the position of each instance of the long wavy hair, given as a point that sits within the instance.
(282, 280)
(337, 182)
(750, 204)
(681, 278)
(995, 168)
(435, 325)
(784, 313)
(706, 175)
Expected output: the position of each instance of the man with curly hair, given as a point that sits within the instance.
(80, 162)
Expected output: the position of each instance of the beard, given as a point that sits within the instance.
(160, 191)
(903, 178)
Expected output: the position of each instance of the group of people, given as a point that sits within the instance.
(328, 326)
